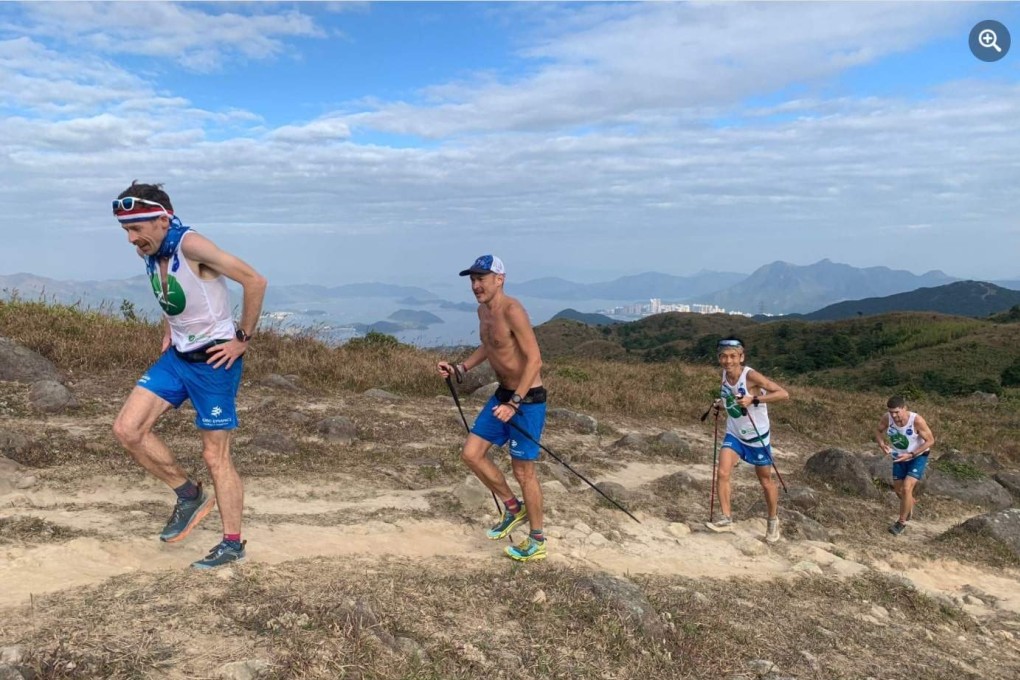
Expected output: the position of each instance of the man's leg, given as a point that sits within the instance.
(133, 429)
(491, 476)
(768, 485)
(524, 472)
(727, 461)
(226, 480)
(906, 494)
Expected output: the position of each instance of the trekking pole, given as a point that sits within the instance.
(715, 460)
(748, 414)
(559, 460)
(456, 400)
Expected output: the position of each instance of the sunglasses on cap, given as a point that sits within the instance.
(729, 343)
(129, 203)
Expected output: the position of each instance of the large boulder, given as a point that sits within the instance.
(967, 484)
(1010, 481)
(842, 470)
(672, 444)
(50, 396)
(1003, 527)
(20, 364)
(578, 422)
(477, 377)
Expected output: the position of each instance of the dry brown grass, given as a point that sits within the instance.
(396, 619)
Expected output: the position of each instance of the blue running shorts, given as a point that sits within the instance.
(530, 418)
(212, 391)
(910, 468)
(754, 455)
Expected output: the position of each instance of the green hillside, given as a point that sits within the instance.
(918, 353)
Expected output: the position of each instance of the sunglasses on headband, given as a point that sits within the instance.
(129, 203)
(729, 343)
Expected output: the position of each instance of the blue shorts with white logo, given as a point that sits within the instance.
(755, 455)
(910, 468)
(212, 391)
(530, 418)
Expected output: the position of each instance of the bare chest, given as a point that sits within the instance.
(495, 332)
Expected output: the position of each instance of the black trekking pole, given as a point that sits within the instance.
(715, 464)
(456, 400)
(748, 414)
(559, 460)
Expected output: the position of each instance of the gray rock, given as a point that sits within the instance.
(801, 497)
(252, 669)
(51, 397)
(1010, 481)
(843, 471)
(20, 364)
(473, 495)
(632, 441)
(479, 376)
(338, 429)
(1002, 527)
(984, 397)
(13, 442)
(382, 395)
(798, 525)
(578, 422)
(678, 482)
(672, 444)
(276, 442)
(279, 381)
(985, 462)
(484, 393)
(627, 599)
(983, 492)
(880, 467)
(618, 492)
(12, 654)
(9, 672)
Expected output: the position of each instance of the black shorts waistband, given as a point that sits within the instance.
(536, 395)
(198, 355)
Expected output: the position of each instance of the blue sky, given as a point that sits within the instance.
(342, 142)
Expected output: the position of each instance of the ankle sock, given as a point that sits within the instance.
(538, 535)
(234, 540)
(513, 505)
(188, 491)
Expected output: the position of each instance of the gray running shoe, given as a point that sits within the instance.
(772, 530)
(223, 553)
(186, 516)
(722, 524)
(897, 528)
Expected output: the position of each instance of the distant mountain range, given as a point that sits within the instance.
(776, 288)
(782, 288)
(628, 288)
(962, 298)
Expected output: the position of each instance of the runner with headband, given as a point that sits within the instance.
(743, 394)
(200, 360)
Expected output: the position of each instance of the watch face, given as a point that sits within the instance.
(516, 399)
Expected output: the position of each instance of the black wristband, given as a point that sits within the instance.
(755, 401)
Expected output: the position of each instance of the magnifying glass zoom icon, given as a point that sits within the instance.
(989, 39)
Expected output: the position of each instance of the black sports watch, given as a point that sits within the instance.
(241, 335)
(516, 399)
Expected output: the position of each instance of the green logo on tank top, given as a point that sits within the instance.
(173, 302)
(899, 441)
(732, 407)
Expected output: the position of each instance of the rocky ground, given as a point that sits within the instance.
(367, 556)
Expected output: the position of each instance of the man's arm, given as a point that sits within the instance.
(883, 425)
(520, 326)
(198, 248)
(925, 433)
(446, 369)
(773, 391)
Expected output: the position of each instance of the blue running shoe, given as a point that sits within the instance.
(186, 516)
(223, 553)
(507, 523)
(527, 550)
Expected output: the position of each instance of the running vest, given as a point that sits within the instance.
(198, 310)
(738, 424)
(903, 439)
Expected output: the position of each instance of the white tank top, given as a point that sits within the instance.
(738, 424)
(903, 439)
(198, 310)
